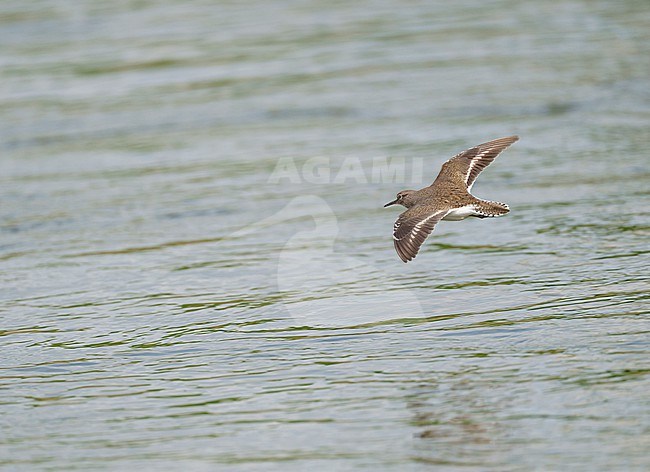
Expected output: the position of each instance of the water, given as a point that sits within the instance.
(169, 305)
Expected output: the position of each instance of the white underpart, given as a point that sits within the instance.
(460, 213)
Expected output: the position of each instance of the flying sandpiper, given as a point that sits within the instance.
(447, 198)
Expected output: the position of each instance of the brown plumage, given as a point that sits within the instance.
(447, 198)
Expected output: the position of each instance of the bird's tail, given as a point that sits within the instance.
(488, 209)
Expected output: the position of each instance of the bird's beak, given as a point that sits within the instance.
(391, 203)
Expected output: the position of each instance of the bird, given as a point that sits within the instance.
(447, 198)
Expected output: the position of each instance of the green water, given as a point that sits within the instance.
(167, 304)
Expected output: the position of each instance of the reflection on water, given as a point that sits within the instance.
(165, 305)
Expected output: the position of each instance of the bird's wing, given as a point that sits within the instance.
(412, 228)
(471, 162)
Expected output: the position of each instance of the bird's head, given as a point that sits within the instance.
(402, 199)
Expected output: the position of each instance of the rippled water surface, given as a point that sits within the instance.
(196, 271)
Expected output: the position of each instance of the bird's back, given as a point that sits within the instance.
(443, 192)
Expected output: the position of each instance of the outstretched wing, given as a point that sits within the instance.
(471, 162)
(412, 228)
